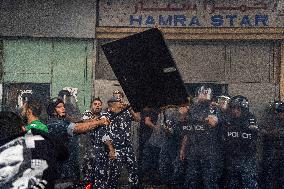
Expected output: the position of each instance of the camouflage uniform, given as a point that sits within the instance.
(97, 158)
(101, 171)
(88, 149)
(119, 131)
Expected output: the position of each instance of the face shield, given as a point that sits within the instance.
(204, 93)
(223, 102)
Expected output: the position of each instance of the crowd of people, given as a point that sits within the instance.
(209, 142)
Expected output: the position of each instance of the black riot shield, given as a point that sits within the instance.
(146, 70)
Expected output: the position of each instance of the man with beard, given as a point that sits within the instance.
(63, 132)
(95, 111)
(31, 111)
(240, 136)
(200, 144)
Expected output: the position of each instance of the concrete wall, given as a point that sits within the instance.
(48, 18)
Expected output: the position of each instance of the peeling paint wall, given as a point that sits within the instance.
(59, 62)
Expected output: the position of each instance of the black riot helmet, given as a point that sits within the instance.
(239, 101)
(279, 106)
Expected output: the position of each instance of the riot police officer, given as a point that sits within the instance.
(223, 105)
(169, 147)
(273, 148)
(240, 136)
(171, 168)
(200, 144)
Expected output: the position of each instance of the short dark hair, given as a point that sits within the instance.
(10, 125)
(96, 99)
(34, 105)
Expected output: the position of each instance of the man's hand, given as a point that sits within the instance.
(183, 110)
(112, 154)
(212, 120)
(104, 121)
(181, 155)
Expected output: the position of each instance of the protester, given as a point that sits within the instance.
(27, 158)
(31, 111)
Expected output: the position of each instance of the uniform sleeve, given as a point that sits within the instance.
(70, 129)
(177, 129)
(87, 115)
(106, 137)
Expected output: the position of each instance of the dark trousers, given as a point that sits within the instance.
(242, 173)
(150, 163)
(274, 173)
(208, 169)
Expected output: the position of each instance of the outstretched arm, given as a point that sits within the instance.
(90, 125)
